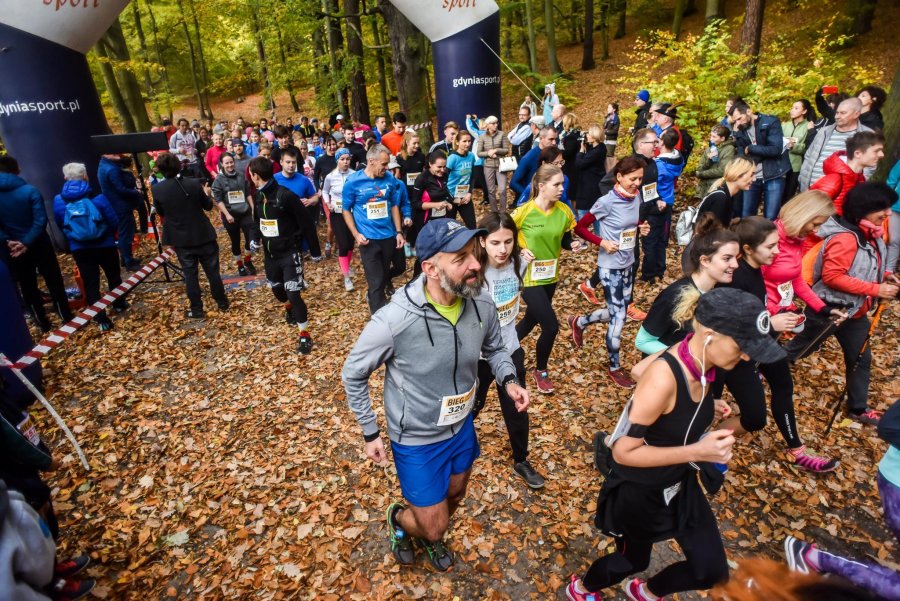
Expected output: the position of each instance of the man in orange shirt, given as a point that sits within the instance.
(394, 139)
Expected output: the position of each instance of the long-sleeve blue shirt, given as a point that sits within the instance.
(363, 197)
(528, 166)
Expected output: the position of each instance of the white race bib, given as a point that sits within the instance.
(439, 212)
(461, 191)
(543, 270)
(338, 205)
(377, 209)
(456, 407)
(358, 134)
(236, 197)
(669, 493)
(786, 292)
(507, 312)
(411, 178)
(649, 192)
(27, 428)
(268, 228)
(627, 239)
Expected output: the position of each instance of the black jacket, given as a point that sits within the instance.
(325, 164)
(769, 147)
(590, 168)
(437, 190)
(294, 223)
(414, 164)
(720, 203)
(182, 203)
(640, 121)
(357, 155)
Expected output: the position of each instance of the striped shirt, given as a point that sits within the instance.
(837, 141)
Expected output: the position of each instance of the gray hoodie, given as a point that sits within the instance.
(27, 551)
(426, 358)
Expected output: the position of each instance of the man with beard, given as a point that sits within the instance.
(428, 393)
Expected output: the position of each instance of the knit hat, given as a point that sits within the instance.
(340, 153)
(643, 95)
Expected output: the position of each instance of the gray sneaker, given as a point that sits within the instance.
(528, 474)
(348, 284)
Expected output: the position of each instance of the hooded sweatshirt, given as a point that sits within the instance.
(426, 359)
(232, 191)
(76, 190)
(669, 166)
(22, 215)
(784, 276)
(839, 178)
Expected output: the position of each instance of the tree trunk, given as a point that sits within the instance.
(605, 10)
(287, 81)
(117, 49)
(318, 55)
(620, 11)
(861, 13)
(379, 61)
(410, 51)
(159, 59)
(690, 8)
(532, 44)
(715, 9)
(507, 33)
(751, 34)
(680, 8)
(587, 55)
(145, 59)
(551, 37)
(112, 87)
(268, 94)
(335, 44)
(191, 57)
(359, 108)
(891, 112)
(204, 75)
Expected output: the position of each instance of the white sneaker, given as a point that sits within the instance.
(348, 284)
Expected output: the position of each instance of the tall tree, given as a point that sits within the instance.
(751, 33)
(288, 85)
(619, 9)
(410, 50)
(532, 44)
(359, 107)
(269, 93)
(159, 58)
(144, 55)
(204, 74)
(891, 112)
(112, 88)
(680, 8)
(860, 13)
(715, 9)
(379, 59)
(335, 50)
(117, 50)
(587, 54)
(551, 37)
(192, 57)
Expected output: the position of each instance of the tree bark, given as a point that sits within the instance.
(551, 37)
(410, 51)
(507, 34)
(204, 75)
(159, 58)
(192, 58)
(620, 10)
(532, 44)
(335, 44)
(145, 59)
(751, 34)
(281, 55)
(268, 94)
(112, 87)
(318, 55)
(861, 13)
(587, 55)
(117, 49)
(359, 107)
(715, 9)
(680, 8)
(891, 113)
(379, 62)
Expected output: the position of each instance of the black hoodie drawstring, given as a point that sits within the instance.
(427, 327)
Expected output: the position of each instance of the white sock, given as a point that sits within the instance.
(303, 326)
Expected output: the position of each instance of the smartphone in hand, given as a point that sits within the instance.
(829, 90)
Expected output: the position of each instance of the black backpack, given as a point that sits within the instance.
(687, 145)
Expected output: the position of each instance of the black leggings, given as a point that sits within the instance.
(90, 261)
(242, 223)
(342, 234)
(747, 389)
(466, 212)
(286, 276)
(516, 421)
(540, 312)
(704, 566)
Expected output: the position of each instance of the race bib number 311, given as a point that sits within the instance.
(455, 408)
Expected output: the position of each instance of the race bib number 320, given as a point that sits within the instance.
(377, 209)
(455, 408)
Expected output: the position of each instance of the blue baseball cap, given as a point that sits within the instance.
(443, 235)
(643, 95)
(341, 153)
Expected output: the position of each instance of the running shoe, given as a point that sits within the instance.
(242, 270)
(105, 324)
(635, 314)
(223, 304)
(69, 589)
(621, 378)
(588, 293)
(577, 331)
(870, 417)
(633, 590)
(348, 284)
(70, 567)
(438, 555)
(327, 250)
(251, 268)
(133, 266)
(602, 454)
(529, 475)
(542, 381)
(572, 593)
(121, 305)
(812, 462)
(401, 543)
(304, 347)
(192, 314)
(797, 554)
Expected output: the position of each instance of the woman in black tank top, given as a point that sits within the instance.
(662, 453)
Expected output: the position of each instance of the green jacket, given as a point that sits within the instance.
(798, 131)
(710, 171)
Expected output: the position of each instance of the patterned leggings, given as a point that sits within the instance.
(877, 579)
(617, 286)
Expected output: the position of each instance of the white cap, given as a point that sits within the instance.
(339, 117)
(537, 121)
(393, 164)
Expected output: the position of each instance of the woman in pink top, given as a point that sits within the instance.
(797, 219)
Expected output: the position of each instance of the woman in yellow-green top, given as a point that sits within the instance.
(545, 228)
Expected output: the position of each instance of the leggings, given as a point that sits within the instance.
(540, 312)
(595, 277)
(747, 389)
(242, 223)
(617, 287)
(883, 582)
(516, 421)
(286, 276)
(342, 234)
(466, 212)
(704, 565)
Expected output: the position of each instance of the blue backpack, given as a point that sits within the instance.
(83, 221)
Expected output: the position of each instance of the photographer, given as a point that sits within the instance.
(590, 167)
(570, 142)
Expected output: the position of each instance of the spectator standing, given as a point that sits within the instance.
(611, 132)
(521, 136)
(759, 137)
(642, 108)
(715, 159)
(451, 130)
(831, 139)
(590, 167)
(549, 101)
(491, 146)
(795, 130)
(844, 169)
(119, 189)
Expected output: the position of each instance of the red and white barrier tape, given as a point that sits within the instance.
(419, 125)
(85, 316)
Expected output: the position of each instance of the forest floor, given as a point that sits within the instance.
(224, 465)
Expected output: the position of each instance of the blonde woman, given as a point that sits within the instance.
(720, 201)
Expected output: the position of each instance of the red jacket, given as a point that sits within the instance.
(211, 161)
(784, 277)
(839, 178)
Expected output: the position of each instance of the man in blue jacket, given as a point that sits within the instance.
(759, 138)
(528, 164)
(118, 188)
(25, 246)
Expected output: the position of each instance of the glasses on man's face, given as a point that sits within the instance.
(654, 142)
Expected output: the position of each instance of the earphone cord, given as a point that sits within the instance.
(703, 384)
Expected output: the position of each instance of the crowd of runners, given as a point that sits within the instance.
(454, 287)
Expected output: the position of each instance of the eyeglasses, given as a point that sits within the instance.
(654, 142)
(559, 162)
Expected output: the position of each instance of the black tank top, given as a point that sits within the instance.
(670, 428)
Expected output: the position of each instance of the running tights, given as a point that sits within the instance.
(540, 312)
(617, 287)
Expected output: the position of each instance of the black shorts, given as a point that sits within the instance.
(287, 271)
